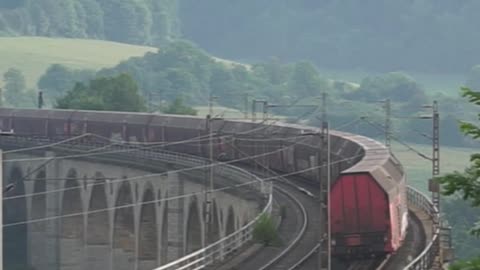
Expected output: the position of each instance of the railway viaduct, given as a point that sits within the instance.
(126, 224)
(122, 202)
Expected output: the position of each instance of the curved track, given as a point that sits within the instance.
(296, 252)
(369, 264)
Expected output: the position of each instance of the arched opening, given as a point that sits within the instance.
(215, 229)
(230, 221)
(97, 221)
(194, 228)
(230, 228)
(72, 229)
(39, 202)
(98, 234)
(148, 243)
(124, 230)
(15, 211)
(72, 226)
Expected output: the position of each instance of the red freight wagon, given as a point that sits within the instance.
(369, 215)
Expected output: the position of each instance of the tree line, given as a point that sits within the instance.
(370, 35)
(419, 35)
(129, 21)
(183, 70)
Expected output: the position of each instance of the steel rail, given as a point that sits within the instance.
(305, 258)
(299, 235)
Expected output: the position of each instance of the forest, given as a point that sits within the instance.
(129, 21)
(420, 35)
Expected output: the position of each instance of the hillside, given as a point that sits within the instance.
(33, 55)
(129, 21)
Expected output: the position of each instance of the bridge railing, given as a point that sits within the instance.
(125, 151)
(427, 258)
(201, 258)
(218, 250)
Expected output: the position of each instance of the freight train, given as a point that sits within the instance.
(368, 197)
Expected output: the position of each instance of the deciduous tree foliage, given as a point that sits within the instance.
(59, 79)
(343, 34)
(119, 93)
(15, 89)
(130, 21)
(178, 107)
(466, 184)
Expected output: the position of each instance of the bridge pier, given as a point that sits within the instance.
(53, 170)
(72, 251)
(175, 218)
(98, 247)
(38, 230)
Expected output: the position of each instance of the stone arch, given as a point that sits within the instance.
(194, 228)
(124, 229)
(215, 229)
(14, 211)
(97, 222)
(72, 226)
(39, 203)
(230, 227)
(147, 240)
(230, 224)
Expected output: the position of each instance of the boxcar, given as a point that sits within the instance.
(369, 210)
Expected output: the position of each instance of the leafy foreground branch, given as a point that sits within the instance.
(466, 184)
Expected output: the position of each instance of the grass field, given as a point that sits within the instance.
(33, 55)
(419, 170)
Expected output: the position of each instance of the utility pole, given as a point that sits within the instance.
(149, 102)
(245, 113)
(40, 99)
(254, 108)
(211, 99)
(5, 190)
(265, 110)
(209, 184)
(324, 253)
(388, 122)
(435, 187)
(324, 108)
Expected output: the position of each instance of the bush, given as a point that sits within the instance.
(265, 231)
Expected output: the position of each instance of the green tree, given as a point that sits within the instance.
(395, 85)
(178, 107)
(16, 92)
(59, 79)
(118, 93)
(305, 81)
(466, 183)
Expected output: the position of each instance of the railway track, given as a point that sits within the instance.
(290, 231)
(305, 243)
(297, 231)
(369, 264)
